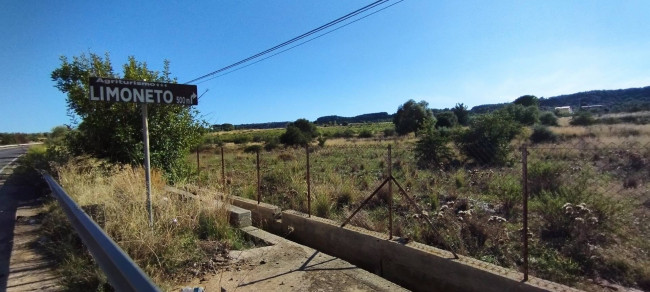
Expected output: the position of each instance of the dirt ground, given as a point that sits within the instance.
(288, 266)
(22, 267)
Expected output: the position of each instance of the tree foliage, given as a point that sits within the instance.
(526, 115)
(527, 100)
(114, 130)
(432, 151)
(412, 117)
(548, 119)
(582, 118)
(462, 114)
(446, 119)
(487, 140)
(300, 132)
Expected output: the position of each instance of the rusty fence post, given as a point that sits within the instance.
(259, 197)
(390, 193)
(524, 185)
(223, 172)
(308, 184)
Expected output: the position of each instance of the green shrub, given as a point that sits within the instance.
(582, 118)
(365, 133)
(242, 139)
(548, 119)
(253, 148)
(446, 120)
(542, 134)
(544, 176)
(487, 140)
(300, 132)
(272, 144)
(431, 150)
(389, 132)
(507, 189)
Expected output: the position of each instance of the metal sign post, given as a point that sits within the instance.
(147, 160)
(143, 92)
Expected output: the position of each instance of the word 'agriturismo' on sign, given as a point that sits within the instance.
(122, 90)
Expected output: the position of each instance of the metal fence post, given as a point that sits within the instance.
(524, 185)
(223, 172)
(390, 193)
(259, 197)
(308, 184)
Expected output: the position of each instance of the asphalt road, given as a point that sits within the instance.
(9, 155)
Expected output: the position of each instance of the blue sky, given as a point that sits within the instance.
(444, 52)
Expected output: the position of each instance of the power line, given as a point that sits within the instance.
(299, 44)
(295, 39)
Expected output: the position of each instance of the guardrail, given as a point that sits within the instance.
(122, 273)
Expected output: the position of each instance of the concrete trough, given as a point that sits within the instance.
(415, 266)
(265, 216)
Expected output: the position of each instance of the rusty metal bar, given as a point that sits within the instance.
(524, 185)
(308, 184)
(223, 172)
(365, 201)
(259, 197)
(426, 217)
(390, 194)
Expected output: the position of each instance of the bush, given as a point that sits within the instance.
(300, 132)
(431, 150)
(366, 134)
(542, 134)
(582, 118)
(548, 119)
(253, 149)
(446, 120)
(487, 140)
(272, 144)
(389, 132)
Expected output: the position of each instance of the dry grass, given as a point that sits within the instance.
(182, 228)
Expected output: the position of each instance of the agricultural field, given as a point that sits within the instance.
(588, 188)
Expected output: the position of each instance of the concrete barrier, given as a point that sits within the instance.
(414, 266)
(265, 216)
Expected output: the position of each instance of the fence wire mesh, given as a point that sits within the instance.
(579, 192)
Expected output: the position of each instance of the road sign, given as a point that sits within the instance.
(123, 90)
(143, 92)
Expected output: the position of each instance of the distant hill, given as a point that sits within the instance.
(271, 125)
(631, 99)
(365, 118)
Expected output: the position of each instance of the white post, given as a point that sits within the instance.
(147, 162)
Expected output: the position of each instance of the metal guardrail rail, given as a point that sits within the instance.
(122, 273)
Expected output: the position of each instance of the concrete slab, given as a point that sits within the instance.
(288, 266)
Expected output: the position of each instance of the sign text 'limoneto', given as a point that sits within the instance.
(122, 90)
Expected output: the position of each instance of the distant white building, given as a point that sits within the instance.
(563, 110)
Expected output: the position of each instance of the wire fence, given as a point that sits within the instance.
(476, 203)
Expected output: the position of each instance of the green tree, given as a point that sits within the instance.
(114, 130)
(527, 100)
(462, 114)
(526, 115)
(300, 132)
(412, 117)
(487, 140)
(446, 119)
